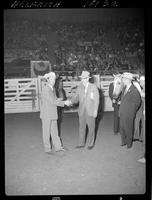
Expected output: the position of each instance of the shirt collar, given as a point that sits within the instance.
(50, 86)
(128, 86)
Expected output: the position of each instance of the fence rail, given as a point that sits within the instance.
(23, 95)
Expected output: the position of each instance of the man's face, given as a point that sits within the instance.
(142, 83)
(51, 81)
(126, 81)
(84, 81)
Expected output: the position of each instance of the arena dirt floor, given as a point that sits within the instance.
(106, 169)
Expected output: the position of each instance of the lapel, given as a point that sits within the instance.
(88, 89)
(84, 95)
(127, 92)
(52, 92)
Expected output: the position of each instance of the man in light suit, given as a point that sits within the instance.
(130, 103)
(88, 97)
(48, 114)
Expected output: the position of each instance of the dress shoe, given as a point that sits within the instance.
(60, 152)
(135, 140)
(123, 145)
(128, 147)
(62, 149)
(65, 148)
(142, 160)
(90, 147)
(78, 147)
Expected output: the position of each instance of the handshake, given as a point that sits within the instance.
(67, 103)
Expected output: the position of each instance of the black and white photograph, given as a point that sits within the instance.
(74, 101)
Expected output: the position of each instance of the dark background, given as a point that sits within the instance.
(74, 14)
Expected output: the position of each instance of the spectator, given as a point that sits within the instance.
(142, 83)
(115, 105)
(130, 103)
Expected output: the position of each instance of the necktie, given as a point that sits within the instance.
(84, 94)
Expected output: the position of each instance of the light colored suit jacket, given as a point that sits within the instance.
(90, 101)
(49, 103)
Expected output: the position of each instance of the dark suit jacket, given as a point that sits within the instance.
(130, 102)
(111, 94)
(60, 93)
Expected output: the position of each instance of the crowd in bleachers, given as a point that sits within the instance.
(77, 46)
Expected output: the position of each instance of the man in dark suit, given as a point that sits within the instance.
(115, 105)
(60, 93)
(130, 103)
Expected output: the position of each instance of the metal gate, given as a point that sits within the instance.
(21, 95)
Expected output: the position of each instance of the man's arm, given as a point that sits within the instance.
(96, 100)
(111, 91)
(47, 95)
(75, 98)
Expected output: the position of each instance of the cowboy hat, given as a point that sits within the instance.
(50, 75)
(85, 74)
(128, 75)
(142, 78)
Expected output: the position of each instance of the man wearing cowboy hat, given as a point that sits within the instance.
(88, 97)
(142, 83)
(48, 113)
(130, 103)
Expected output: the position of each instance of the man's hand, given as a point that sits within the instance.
(95, 114)
(113, 101)
(68, 103)
(60, 99)
(119, 102)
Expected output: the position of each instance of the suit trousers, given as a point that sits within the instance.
(143, 130)
(126, 129)
(116, 118)
(85, 120)
(144, 136)
(137, 131)
(49, 128)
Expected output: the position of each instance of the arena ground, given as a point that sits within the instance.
(106, 169)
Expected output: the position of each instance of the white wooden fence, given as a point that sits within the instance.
(23, 95)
